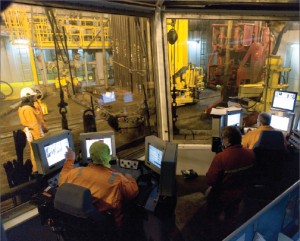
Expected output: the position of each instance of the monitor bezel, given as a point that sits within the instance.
(157, 143)
(38, 148)
(285, 109)
(83, 137)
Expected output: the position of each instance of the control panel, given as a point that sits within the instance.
(294, 139)
(129, 164)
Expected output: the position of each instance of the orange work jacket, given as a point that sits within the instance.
(249, 139)
(29, 117)
(40, 115)
(108, 187)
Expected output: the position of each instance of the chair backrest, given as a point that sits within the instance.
(270, 154)
(270, 140)
(74, 200)
(77, 217)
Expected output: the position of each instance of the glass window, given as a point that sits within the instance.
(84, 60)
(222, 63)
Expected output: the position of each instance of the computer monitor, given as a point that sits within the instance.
(154, 152)
(161, 158)
(87, 139)
(127, 97)
(282, 122)
(109, 97)
(49, 152)
(284, 100)
(233, 118)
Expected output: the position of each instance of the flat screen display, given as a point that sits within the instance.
(109, 97)
(87, 139)
(280, 122)
(49, 152)
(55, 152)
(89, 142)
(234, 119)
(127, 97)
(155, 156)
(284, 100)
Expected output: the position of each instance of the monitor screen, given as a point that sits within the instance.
(280, 122)
(109, 97)
(155, 155)
(127, 97)
(233, 118)
(284, 100)
(154, 152)
(106, 140)
(49, 152)
(55, 152)
(87, 139)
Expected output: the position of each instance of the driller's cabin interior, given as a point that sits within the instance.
(167, 74)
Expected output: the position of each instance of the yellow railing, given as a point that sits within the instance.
(80, 32)
(16, 20)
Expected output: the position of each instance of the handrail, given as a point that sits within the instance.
(258, 214)
(20, 189)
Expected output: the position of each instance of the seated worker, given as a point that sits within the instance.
(109, 188)
(263, 124)
(226, 173)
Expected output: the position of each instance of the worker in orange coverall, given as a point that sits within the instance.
(108, 187)
(31, 117)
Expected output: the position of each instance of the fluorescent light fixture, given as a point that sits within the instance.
(21, 41)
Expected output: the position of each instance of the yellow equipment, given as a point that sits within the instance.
(188, 80)
(266, 89)
(188, 84)
(65, 80)
(43, 106)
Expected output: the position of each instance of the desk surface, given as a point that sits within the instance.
(186, 186)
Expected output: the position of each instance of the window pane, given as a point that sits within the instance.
(220, 63)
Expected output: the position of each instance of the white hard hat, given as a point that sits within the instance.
(25, 92)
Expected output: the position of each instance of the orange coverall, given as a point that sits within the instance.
(40, 116)
(33, 119)
(108, 187)
(249, 139)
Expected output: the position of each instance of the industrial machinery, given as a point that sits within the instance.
(243, 61)
(187, 79)
(188, 84)
(240, 50)
(74, 50)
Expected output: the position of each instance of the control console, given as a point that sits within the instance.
(129, 164)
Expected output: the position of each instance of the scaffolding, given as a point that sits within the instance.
(82, 32)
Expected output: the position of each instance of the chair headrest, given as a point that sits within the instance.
(270, 140)
(74, 200)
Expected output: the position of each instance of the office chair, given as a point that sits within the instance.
(77, 219)
(270, 155)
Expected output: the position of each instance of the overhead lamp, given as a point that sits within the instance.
(21, 41)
